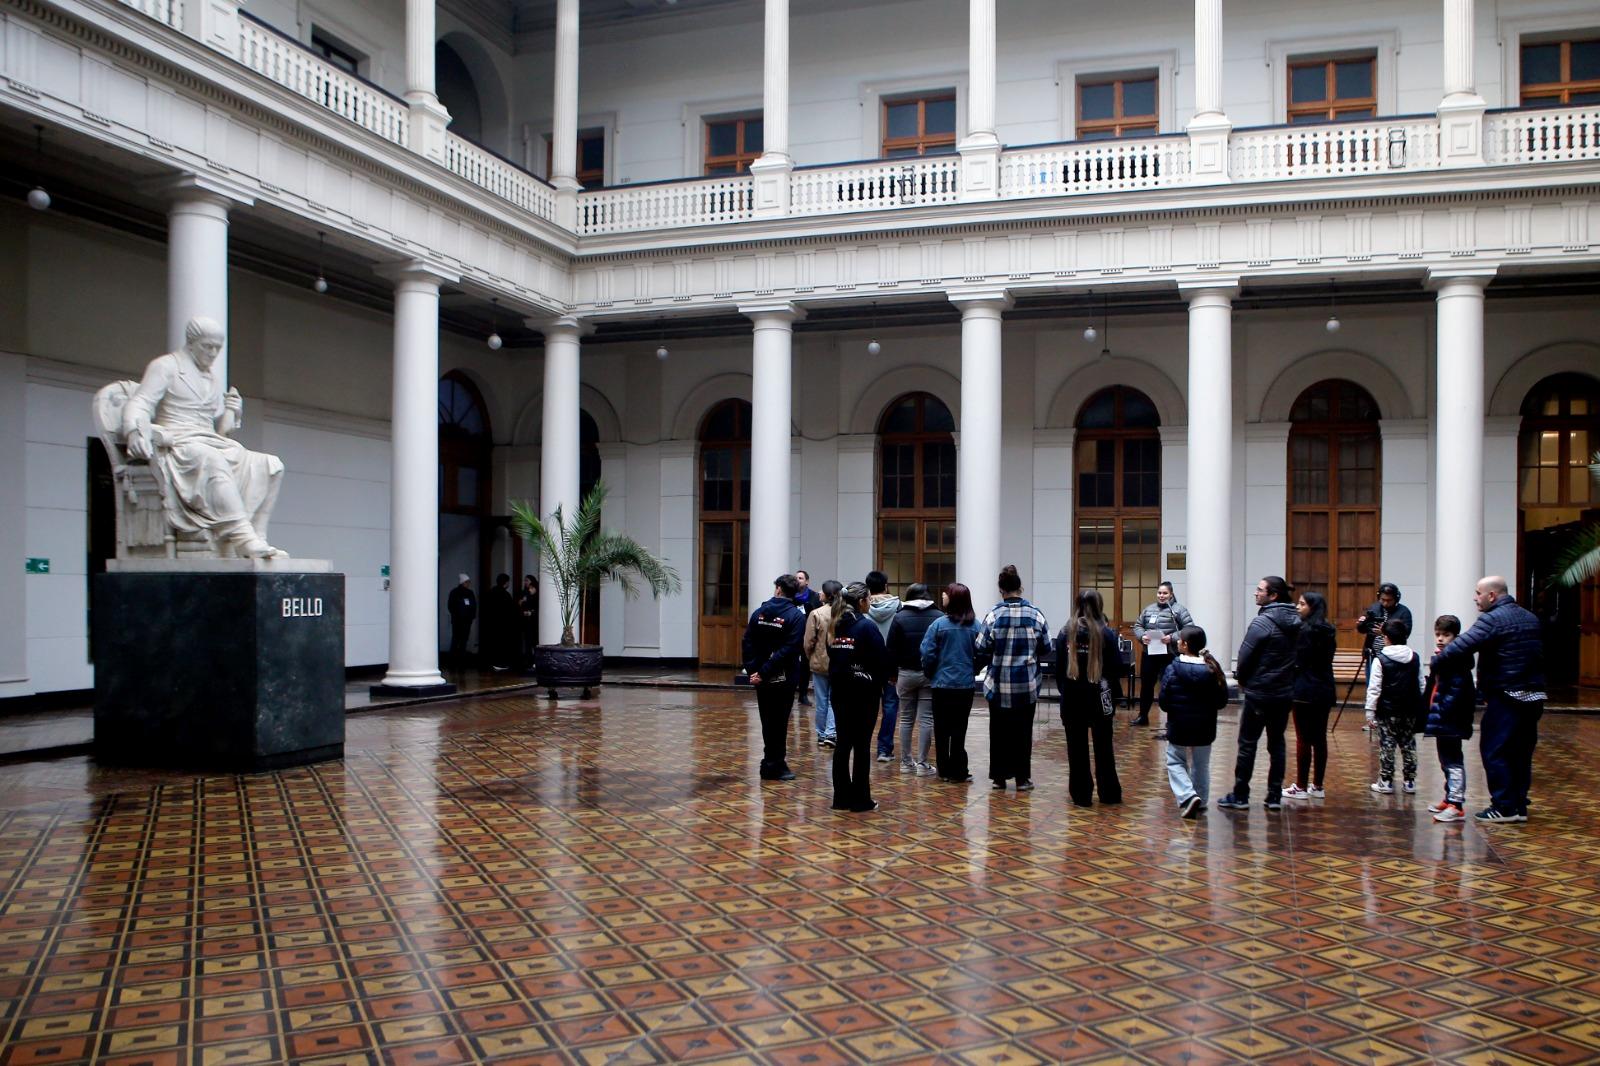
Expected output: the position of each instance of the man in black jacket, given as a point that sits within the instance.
(1509, 644)
(1266, 674)
(772, 659)
(463, 608)
(1371, 624)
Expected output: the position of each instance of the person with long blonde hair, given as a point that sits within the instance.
(1088, 668)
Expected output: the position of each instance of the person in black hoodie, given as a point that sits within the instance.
(858, 668)
(1451, 700)
(1088, 665)
(1314, 694)
(1266, 674)
(1193, 690)
(772, 659)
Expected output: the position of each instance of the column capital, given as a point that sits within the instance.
(1441, 277)
(1209, 290)
(560, 326)
(191, 189)
(415, 272)
(1172, 436)
(773, 313)
(976, 301)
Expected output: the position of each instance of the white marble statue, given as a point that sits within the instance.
(179, 420)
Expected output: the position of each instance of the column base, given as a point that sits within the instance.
(429, 121)
(1208, 149)
(771, 175)
(384, 690)
(1461, 130)
(980, 168)
(566, 202)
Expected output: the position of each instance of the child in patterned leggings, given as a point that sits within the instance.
(1394, 696)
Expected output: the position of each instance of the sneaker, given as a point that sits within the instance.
(1190, 808)
(1295, 792)
(828, 742)
(871, 806)
(885, 757)
(925, 769)
(1316, 792)
(1273, 805)
(1233, 803)
(1410, 787)
(787, 775)
(1435, 808)
(1449, 813)
(1382, 787)
(1024, 786)
(1489, 814)
(906, 766)
(998, 786)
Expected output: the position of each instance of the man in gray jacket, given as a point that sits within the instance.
(1266, 674)
(1156, 631)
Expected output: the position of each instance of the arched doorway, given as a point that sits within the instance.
(465, 449)
(724, 530)
(917, 492)
(457, 92)
(588, 475)
(1555, 498)
(1335, 508)
(1117, 501)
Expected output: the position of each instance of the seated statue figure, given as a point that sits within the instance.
(179, 420)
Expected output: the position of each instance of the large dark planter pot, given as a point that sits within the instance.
(568, 666)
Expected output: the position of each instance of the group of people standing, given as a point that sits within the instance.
(508, 626)
(866, 651)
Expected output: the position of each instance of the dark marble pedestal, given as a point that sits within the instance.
(219, 668)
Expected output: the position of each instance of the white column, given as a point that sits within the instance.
(980, 148)
(978, 455)
(771, 172)
(414, 482)
(1461, 111)
(564, 121)
(771, 419)
(559, 451)
(197, 259)
(428, 116)
(1208, 130)
(1458, 435)
(1213, 598)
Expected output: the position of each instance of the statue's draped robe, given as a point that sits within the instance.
(209, 482)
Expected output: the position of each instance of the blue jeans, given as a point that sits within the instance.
(891, 711)
(1189, 771)
(1509, 732)
(823, 707)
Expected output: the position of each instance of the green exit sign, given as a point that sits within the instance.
(38, 566)
(383, 571)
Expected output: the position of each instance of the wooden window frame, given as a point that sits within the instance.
(328, 45)
(1119, 124)
(741, 158)
(922, 141)
(1556, 93)
(589, 179)
(919, 512)
(1332, 106)
(1119, 512)
(738, 516)
(458, 448)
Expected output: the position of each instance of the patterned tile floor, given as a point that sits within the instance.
(604, 882)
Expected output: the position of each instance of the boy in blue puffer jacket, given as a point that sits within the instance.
(1451, 699)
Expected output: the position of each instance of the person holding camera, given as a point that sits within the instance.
(1371, 626)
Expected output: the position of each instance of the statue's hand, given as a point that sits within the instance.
(233, 403)
(139, 443)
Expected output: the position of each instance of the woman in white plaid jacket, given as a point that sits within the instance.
(1011, 641)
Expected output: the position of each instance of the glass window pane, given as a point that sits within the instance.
(1541, 63)
(1137, 410)
(902, 417)
(1097, 135)
(724, 139)
(1307, 84)
(936, 417)
(1139, 97)
(940, 117)
(592, 153)
(1097, 101)
(754, 135)
(1352, 80)
(901, 120)
(1585, 60)
(1586, 98)
(1100, 412)
(939, 474)
(743, 502)
(466, 486)
(1316, 116)
(1355, 113)
(716, 568)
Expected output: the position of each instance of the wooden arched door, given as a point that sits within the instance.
(724, 531)
(1116, 501)
(917, 492)
(1335, 500)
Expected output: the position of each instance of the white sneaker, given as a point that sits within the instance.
(885, 758)
(1410, 787)
(925, 769)
(906, 766)
(1435, 808)
(1316, 792)
(1383, 787)
(1295, 792)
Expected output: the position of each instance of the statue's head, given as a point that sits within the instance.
(202, 339)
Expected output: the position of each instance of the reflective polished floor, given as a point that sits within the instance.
(510, 880)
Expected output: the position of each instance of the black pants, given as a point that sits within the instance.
(1151, 668)
(459, 632)
(855, 712)
(1310, 742)
(952, 708)
(1083, 719)
(1273, 716)
(774, 702)
(1506, 740)
(1010, 742)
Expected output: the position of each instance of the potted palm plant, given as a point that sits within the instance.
(1581, 560)
(582, 556)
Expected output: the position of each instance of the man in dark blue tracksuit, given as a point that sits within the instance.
(772, 659)
(1509, 645)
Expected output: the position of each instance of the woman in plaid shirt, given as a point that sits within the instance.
(1013, 637)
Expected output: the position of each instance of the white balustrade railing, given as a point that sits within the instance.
(1335, 149)
(167, 11)
(1094, 166)
(876, 185)
(1542, 135)
(700, 202)
(284, 61)
(493, 174)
